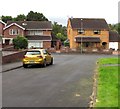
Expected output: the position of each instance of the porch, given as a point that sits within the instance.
(87, 42)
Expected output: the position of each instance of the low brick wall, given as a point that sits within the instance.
(116, 52)
(13, 57)
(86, 51)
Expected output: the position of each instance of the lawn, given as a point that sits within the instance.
(107, 90)
(109, 61)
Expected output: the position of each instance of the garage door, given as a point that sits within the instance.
(35, 44)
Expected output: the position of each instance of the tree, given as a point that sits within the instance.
(35, 16)
(6, 18)
(118, 28)
(20, 42)
(59, 31)
(31, 16)
(61, 36)
(20, 17)
(115, 27)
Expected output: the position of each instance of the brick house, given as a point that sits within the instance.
(38, 33)
(114, 40)
(90, 33)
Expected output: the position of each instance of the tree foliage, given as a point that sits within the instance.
(6, 18)
(59, 31)
(20, 17)
(20, 42)
(35, 16)
(115, 27)
(31, 16)
(61, 36)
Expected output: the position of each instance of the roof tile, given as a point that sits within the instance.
(114, 36)
(33, 24)
(87, 23)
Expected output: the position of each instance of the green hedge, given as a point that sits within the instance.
(20, 42)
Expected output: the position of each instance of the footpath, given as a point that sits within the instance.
(11, 60)
(11, 66)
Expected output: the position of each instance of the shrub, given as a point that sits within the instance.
(66, 44)
(20, 42)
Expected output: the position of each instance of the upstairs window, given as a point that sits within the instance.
(96, 31)
(35, 32)
(81, 31)
(38, 32)
(14, 31)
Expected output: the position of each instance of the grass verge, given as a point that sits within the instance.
(108, 83)
(109, 61)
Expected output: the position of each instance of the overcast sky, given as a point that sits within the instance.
(61, 10)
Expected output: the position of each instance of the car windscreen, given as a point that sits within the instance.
(33, 53)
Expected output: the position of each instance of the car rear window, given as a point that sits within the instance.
(33, 53)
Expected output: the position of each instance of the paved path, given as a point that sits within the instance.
(11, 66)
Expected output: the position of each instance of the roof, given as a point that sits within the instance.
(37, 37)
(87, 39)
(114, 36)
(89, 23)
(2, 22)
(32, 25)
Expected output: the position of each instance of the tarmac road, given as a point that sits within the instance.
(67, 83)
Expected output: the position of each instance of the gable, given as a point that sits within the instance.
(12, 25)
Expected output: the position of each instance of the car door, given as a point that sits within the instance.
(47, 56)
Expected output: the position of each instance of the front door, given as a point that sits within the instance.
(7, 41)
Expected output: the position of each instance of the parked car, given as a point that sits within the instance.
(37, 57)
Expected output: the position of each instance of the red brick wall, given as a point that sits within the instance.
(13, 57)
(47, 33)
(6, 31)
(46, 44)
(1, 28)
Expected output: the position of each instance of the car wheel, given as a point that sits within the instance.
(51, 63)
(44, 64)
(25, 66)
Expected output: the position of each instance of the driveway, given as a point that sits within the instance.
(67, 83)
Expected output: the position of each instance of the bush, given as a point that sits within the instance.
(66, 44)
(20, 42)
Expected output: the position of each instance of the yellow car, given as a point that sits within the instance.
(37, 56)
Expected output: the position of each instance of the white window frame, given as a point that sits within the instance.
(81, 31)
(14, 31)
(35, 32)
(38, 32)
(97, 31)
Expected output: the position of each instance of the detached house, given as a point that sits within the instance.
(90, 33)
(38, 33)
